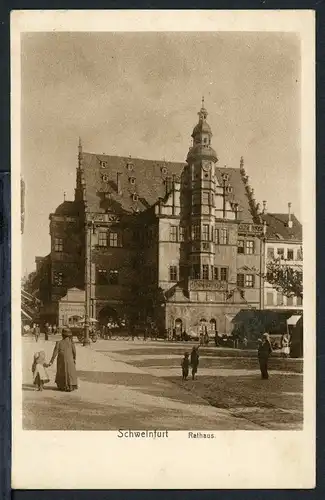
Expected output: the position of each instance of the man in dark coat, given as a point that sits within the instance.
(264, 351)
(194, 361)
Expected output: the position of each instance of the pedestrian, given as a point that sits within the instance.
(201, 338)
(46, 334)
(37, 332)
(40, 376)
(245, 342)
(216, 338)
(194, 361)
(50, 329)
(54, 329)
(185, 366)
(206, 337)
(65, 351)
(285, 345)
(132, 328)
(264, 351)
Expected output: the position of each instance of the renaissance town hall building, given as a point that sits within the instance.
(181, 243)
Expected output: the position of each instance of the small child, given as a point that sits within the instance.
(40, 375)
(185, 366)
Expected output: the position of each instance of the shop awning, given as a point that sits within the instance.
(293, 320)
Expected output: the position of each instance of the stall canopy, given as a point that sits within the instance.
(293, 320)
(262, 320)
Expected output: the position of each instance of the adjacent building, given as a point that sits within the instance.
(284, 242)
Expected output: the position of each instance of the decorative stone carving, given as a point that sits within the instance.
(206, 285)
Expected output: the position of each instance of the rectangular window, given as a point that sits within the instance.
(58, 244)
(58, 279)
(173, 233)
(217, 236)
(290, 254)
(249, 280)
(240, 246)
(102, 239)
(102, 278)
(205, 232)
(113, 276)
(250, 247)
(205, 271)
(224, 274)
(280, 252)
(196, 272)
(216, 273)
(205, 198)
(113, 239)
(299, 254)
(223, 236)
(270, 253)
(196, 232)
(289, 301)
(241, 280)
(299, 301)
(269, 299)
(181, 233)
(279, 299)
(172, 273)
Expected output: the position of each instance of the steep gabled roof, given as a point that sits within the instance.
(277, 227)
(149, 183)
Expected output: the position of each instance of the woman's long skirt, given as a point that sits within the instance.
(66, 375)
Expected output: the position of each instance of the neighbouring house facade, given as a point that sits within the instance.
(284, 242)
(180, 243)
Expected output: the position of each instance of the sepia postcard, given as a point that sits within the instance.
(163, 222)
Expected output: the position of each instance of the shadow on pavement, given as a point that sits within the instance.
(32, 387)
(278, 391)
(145, 383)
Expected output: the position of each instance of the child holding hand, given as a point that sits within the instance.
(40, 376)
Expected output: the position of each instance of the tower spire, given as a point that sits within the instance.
(80, 146)
(203, 112)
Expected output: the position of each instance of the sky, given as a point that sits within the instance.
(138, 94)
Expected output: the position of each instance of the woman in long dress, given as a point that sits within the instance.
(65, 351)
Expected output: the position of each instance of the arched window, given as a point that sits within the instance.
(178, 324)
(213, 325)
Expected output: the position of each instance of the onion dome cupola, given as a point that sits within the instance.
(202, 138)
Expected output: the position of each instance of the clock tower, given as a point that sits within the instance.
(202, 160)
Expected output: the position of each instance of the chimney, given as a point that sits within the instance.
(118, 183)
(264, 207)
(264, 228)
(290, 224)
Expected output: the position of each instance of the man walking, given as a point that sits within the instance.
(264, 351)
(194, 361)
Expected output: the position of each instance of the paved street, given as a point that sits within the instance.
(125, 384)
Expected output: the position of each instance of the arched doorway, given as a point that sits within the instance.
(74, 320)
(108, 315)
(178, 327)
